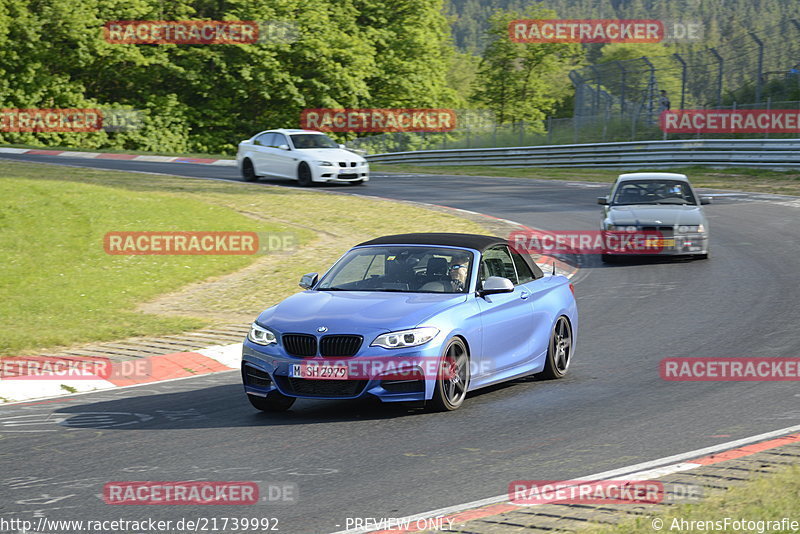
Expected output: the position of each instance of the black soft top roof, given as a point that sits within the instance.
(478, 242)
(473, 241)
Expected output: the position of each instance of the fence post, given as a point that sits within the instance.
(651, 85)
(577, 81)
(760, 74)
(683, 79)
(769, 107)
(721, 70)
(621, 88)
(596, 97)
(575, 130)
(550, 130)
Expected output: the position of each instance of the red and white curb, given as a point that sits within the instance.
(159, 368)
(463, 513)
(112, 155)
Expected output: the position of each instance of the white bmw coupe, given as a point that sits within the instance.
(304, 155)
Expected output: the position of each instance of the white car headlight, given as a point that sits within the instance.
(691, 229)
(405, 338)
(324, 163)
(260, 335)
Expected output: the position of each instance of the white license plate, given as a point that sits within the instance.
(318, 372)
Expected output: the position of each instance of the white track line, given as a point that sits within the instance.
(644, 470)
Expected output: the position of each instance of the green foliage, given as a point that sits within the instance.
(206, 98)
(523, 81)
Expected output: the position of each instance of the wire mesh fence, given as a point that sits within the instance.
(638, 124)
(622, 100)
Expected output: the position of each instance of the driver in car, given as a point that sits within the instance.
(458, 271)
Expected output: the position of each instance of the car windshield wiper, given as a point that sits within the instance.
(334, 289)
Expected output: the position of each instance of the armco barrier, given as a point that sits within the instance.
(764, 153)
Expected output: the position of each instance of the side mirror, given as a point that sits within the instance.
(603, 201)
(308, 280)
(496, 284)
(705, 200)
(284, 147)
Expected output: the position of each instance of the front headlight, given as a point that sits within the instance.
(261, 336)
(405, 338)
(324, 163)
(692, 229)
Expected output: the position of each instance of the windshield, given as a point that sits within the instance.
(313, 141)
(654, 192)
(418, 269)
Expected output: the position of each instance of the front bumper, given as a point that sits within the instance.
(672, 245)
(341, 175)
(266, 369)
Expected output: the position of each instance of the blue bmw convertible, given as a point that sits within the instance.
(419, 318)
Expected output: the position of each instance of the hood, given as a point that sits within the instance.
(355, 312)
(330, 154)
(644, 215)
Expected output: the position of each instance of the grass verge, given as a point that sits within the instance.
(740, 179)
(60, 288)
(766, 498)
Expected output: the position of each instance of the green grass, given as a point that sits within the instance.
(58, 287)
(61, 287)
(769, 497)
(741, 179)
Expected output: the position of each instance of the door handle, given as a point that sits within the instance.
(524, 294)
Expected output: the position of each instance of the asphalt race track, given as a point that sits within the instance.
(361, 459)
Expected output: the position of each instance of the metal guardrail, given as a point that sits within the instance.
(764, 153)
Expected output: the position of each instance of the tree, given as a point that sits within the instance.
(523, 81)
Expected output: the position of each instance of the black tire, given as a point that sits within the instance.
(452, 380)
(559, 350)
(248, 171)
(273, 402)
(304, 175)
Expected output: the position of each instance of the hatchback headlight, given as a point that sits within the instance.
(261, 336)
(692, 229)
(324, 163)
(405, 338)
